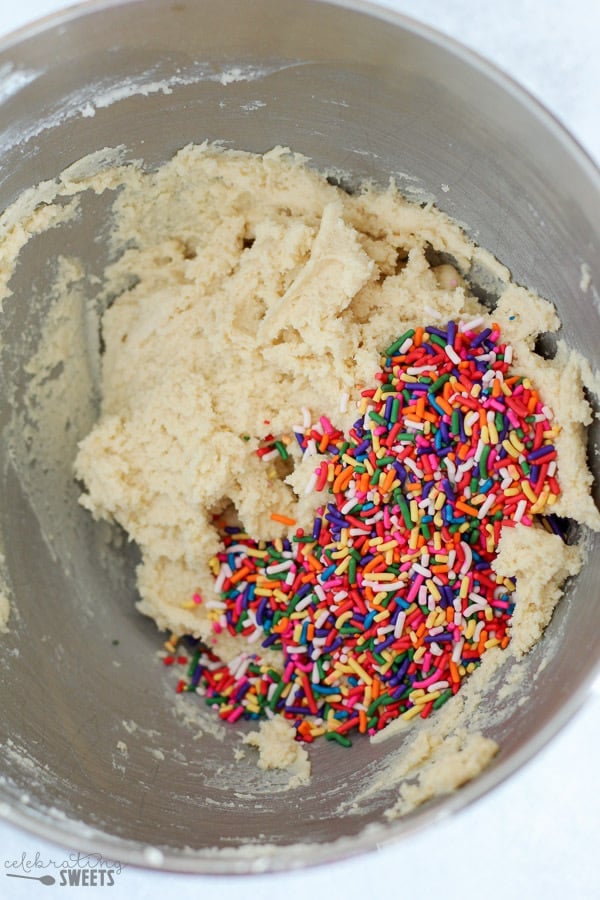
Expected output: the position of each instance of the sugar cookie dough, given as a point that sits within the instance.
(251, 295)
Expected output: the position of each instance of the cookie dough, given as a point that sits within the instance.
(260, 290)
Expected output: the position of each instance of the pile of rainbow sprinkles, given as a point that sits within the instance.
(384, 607)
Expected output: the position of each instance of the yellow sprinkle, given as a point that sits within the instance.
(341, 568)
(381, 576)
(341, 620)
(420, 653)
(384, 614)
(410, 713)
(340, 554)
(389, 545)
(485, 435)
(262, 592)
(476, 390)
(433, 589)
(280, 596)
(517, 444)
(189, 604)
(358, 669)
(297, 634)
(440, 500)
(413, 540)
(464, 588)
(471, 626)
(415, 512)
(389, 557)
(427, 698)
(259, 554)
(539, 505)
(528, 491)
(552, 498)
(510, 449)
(493, 431)
(513, 491)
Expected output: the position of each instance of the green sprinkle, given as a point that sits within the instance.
(339, 738)
(439, 383)
(393, 348)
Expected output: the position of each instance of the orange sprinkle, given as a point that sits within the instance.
(388, 480)
(284, 520)
(454, 672)
(343, 480)
(239, 575)
(418, 337)
(443, 404)
(467, 508)
(362, 721)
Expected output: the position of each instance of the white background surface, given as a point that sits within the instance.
(536, 836)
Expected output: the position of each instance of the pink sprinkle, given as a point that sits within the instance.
(414, 588)
(235, 714)
(427, 681)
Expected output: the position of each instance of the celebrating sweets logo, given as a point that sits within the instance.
(76, 870)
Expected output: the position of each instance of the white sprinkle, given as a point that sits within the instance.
(458, 649)
(472, 325)
(520, 511)
(348, 505)
(321, 619)
(422, 570)
(278, 567)
(307, 418)
(399, 626)
(468, 558)
(452, 354)
(311, 483)
(438, 686)
(486, 506)
(302, 604)
(508, 354)
(272, 454)
(344, 402)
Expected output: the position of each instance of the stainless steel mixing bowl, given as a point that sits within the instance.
(356, 89)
